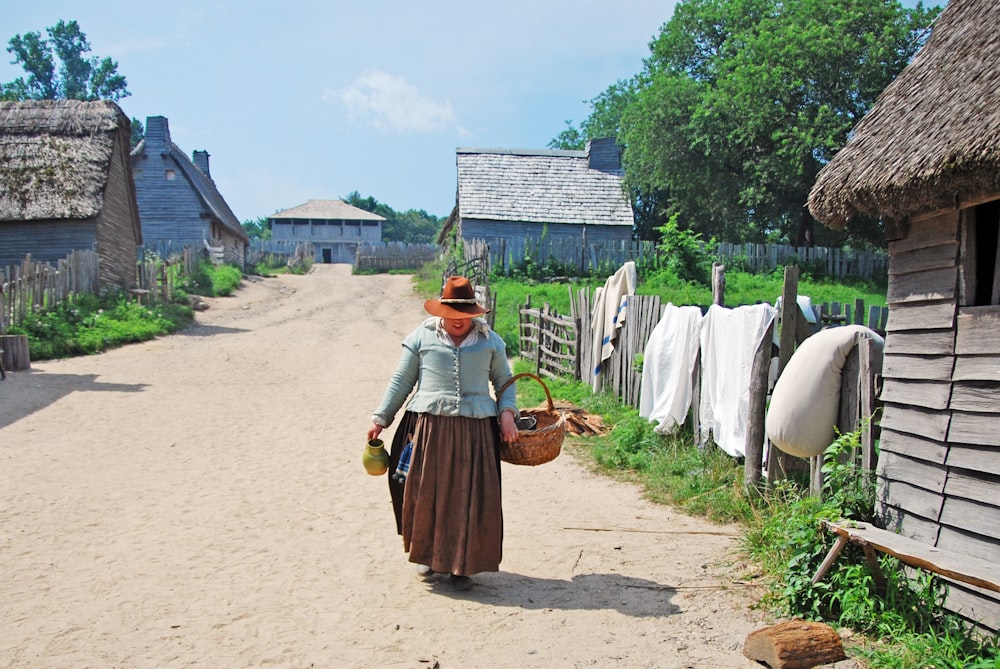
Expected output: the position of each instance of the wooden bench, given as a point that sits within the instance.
(911, 552)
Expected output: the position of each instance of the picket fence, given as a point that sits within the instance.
(384, 256)
(37, 286)
(578, 257)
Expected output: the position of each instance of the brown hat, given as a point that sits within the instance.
(458, 300)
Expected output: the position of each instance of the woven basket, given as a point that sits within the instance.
(541, 444)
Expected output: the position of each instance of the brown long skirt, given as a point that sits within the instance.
(450, 513)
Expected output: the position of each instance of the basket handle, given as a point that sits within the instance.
(552, 406)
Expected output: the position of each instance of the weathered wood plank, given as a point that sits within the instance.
(925, 231)
(924, 394)
(914, 500)
(976, 396)
(978, 331)
(918, 367)
(921, 260)
(951, 539)
(974, 428)
(913, 446)
(936, 284)
(922, 316)
(975, 604)
(972, 516)
(911, 552)
(920, 473)
(976, 368)
(930, 424)
(927, 342)
(971, 487)
(985, 459)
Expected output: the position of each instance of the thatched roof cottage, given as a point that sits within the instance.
(926, 159)
(66, 184)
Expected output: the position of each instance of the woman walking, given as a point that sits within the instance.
(448, 511)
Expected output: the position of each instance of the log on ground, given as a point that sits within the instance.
(794, 644)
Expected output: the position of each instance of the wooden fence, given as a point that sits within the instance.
(557, 344)
(386, 256)
(577, 257)
(36, 286)
(31, 285)
(830, 261)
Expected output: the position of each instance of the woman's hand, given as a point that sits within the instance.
(508, 426)
(374, 431)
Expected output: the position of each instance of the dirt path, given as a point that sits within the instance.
(199, 501)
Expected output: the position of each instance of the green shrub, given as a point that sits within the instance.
(90, 324)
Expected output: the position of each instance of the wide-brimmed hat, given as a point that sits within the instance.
(458, 300)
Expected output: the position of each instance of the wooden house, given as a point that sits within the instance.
(333, 227)
(926, 160)
(178, 200)
(66, 185)
(510, 194)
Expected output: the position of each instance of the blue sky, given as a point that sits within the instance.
(310, 99)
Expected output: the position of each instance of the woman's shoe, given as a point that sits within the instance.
(423, 571)
(460, 582)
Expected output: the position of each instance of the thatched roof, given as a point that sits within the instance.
(933, 136)
(332, 210)
(55, 157)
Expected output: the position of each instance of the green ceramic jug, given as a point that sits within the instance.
(375, 459)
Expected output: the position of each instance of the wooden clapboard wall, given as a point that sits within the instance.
(939, 464)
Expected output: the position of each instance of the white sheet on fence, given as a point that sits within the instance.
(608, 316)
(668, 365)
(729, 340)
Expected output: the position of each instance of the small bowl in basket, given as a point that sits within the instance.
(542, 443)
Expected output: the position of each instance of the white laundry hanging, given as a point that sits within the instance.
(729, 340)
(668, 363)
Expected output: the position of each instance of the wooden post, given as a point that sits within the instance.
(719, 284)
(15, 357)
(754, 445)
(789, 316)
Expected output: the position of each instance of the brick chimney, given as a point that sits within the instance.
(200, 159)
(157, 132)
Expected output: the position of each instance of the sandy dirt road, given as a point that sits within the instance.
(199, 501)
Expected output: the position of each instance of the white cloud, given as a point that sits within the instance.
(391, 103)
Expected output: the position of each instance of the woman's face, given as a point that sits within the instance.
(457, 327)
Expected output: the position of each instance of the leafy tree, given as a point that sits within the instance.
(257, 229)
(745, 100)
(56, 68)
(413, 226)
(138, 131)
(741, 102)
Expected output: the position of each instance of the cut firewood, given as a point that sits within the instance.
(794, 644)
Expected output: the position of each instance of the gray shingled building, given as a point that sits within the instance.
(514, 194)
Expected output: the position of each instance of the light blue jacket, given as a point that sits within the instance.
(449, 380)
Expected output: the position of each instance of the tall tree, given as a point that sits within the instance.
(57, 68)
(741, 102)
(412, 226)
(745, 100)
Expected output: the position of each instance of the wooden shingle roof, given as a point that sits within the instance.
(55, 157)
(933, 136)
(157, 139)
(541, 187)
(333, 210)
